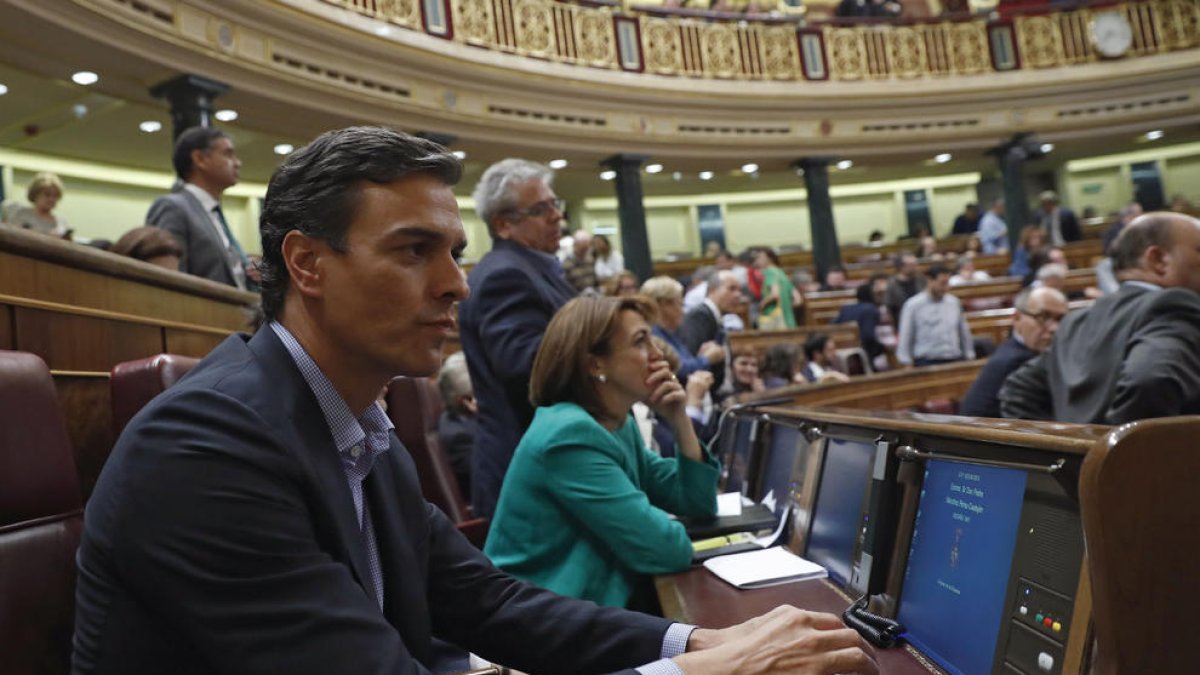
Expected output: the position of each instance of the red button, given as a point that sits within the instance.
(1047, 622)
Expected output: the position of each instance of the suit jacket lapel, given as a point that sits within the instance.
(202, 220)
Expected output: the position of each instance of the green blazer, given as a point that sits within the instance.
(583, 511)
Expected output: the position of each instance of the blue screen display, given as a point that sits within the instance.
(738, 460)
(777, 469)
(837, 516)
(952, 602)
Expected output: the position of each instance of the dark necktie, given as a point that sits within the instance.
(233, 242)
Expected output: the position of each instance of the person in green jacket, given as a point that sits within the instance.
(584, 506)
(779, 296)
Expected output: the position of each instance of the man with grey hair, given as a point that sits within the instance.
(458, 422)
(1135, 353)
(579, 265)
(515, 289)
(1037, 314)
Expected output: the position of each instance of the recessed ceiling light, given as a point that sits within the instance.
(706, 175)
(3, 89)
(608, 175)
(1047, 148)
(678, 175)
(151, 126)
(943, 158)
(460, 155)
(284, 149)
(85, 77)
(1154, 135)
(79, 110)
(558, 164)
(226, 115)
(750, 168)
(654, 168)
(845, 164)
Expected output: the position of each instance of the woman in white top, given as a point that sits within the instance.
(609, 263)
(967, 274)
(44, 192)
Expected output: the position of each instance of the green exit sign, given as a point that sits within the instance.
(1093, 188)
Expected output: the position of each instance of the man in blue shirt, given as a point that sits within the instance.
(993, 231)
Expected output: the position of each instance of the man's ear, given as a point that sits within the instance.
(302, 256)
(500, 226)
(1155, 259)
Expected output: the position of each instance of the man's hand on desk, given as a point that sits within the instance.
(784, 640)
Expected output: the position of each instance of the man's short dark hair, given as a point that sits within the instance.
(865, 293)
(315, 191)
(195, 138)
(936, 271)
(814, 345)
(1153, 229)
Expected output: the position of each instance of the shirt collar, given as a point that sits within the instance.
(712, 307)
(1142, 284)
(349, 432)
(206, 200)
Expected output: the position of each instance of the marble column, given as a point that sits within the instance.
(191, 98)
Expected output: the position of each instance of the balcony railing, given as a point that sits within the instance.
(603, 35)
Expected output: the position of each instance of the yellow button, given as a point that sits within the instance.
(1057, 626)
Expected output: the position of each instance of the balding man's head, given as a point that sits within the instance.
(1161, 248)
(1038, 313)
(725, 291)
(583, 243)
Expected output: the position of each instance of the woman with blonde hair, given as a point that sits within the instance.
(584, 506)
(45, 191)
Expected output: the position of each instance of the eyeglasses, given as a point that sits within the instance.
(1043, 318)
(542, 208)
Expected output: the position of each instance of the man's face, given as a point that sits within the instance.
(728, 294)
(1181, 262)
(830, 351)
(1038, 324)
(879, 290)
(1048, 205)
(583, 244)
(835, 279)
(219, 164)
(938, 285)
(387, 303)
(535, 222)
(908, 265)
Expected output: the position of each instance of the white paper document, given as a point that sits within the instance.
(729, 504)
(768, 567)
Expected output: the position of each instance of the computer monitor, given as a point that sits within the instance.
(841, 506)
(781, 476)
(737, 451)
(994, 566)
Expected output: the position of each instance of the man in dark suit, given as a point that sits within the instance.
(1058, 221)
(515, 289)
(206, 165)
(967, 222)
(866, 313)
(705, 324)
(1038, 312)
(261, 516)
(1135, 353)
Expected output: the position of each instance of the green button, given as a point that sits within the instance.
(1038, 618)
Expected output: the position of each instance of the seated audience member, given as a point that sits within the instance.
(44, 193)
(1051, 275)
(261, 516)
(835, 279)
(973, 246)
(779, 297)
(579, 266)
(993, 231)
(609, 263)
(458, 422)
(867, 312)
(667, 293)
(1133, 354)
(623, 285)
(596, 361)
(967, 222)
(1033, 242)
(1059, 222)
(1036, 318)
(904, 284)
(927, 248)
(745, 373)
(822, 366)
(967, 274)
(150, 244)
(933, 328)
(876, 238)
(779, 366)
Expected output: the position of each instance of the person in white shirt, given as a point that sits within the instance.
(609, 263)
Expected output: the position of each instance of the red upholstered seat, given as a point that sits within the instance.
(41, 518)
(414, 406)
(135, 383)
(940, 406)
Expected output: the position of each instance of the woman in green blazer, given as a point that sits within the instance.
(584, 507)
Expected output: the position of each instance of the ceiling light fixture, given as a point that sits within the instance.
(284, 149)
(844, 164)
(226, 115)
(1047, 148)
(460, 155)
(750, 168)
(608, 175)
(1154, 135)
(85, 77)
(654, 168)
(3, 89)
(558, 164)
(706, 175)
(151, 126)
(943, 158)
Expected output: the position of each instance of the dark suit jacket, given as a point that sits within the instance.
(222, 538)
(1134, 354)
(700, 326)
(456, 434)
(514, 294)
(982, 399)
(1068, 224)
(866, 315)
(204, 255)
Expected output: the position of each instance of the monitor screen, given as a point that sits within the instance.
(737, 457)
(952, 601)
(778, 475)
(837, 518)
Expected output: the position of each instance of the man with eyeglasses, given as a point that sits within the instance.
(515, 289)
(1035, 321)
(1134, 354)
